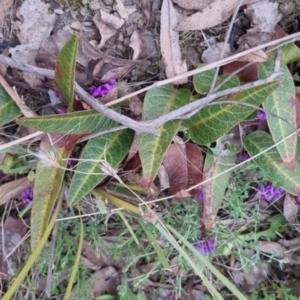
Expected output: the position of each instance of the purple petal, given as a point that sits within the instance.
(206, 247)
(200, 195)
(261, 115)
(112, 81)
(245, 156)
(60, 111)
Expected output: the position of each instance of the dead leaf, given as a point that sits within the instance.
(248, 281)
(290, 208)
(257, 57)
(213, 53)
(90, 258)
(193, 4)
(12, 189)
(107, 24)
(264, 16)
(136, 44)
(92, 53)
(115, 73)
(169, 43)
(135, 103)
(36, 26)
(248, 74)
(183, 165)
(5, 6)
(194, 164)
(175, 164)
(122, 11)
(146, 8)
(163, 178)
(214, 14)
(279, 251)
(14, 230)
(104, 280)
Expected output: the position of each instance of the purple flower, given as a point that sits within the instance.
(245, 156)
(103, 89)
(206, 247)
(60, 111)
(27, 196)
(298, 199)
(57, 95)
(261, 115)
(200, 195)
(268, 192)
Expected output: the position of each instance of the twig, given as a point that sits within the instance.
(176, 114)
(151, 126)
(212, 87)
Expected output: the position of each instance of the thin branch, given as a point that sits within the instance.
(212, 87)
(176, 114)
(151, 126)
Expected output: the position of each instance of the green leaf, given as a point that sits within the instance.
(213, 191)
(65, 70)
(157, 102)
(82, 122)
(47, 185)
(202, 81)
(9, 111)
(213, 121)
(271, 164)
(111, 148)
(289, 53)
(281, 103)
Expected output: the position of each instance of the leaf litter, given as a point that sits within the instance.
(137, 44)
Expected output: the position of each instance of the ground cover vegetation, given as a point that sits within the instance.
(148, 151)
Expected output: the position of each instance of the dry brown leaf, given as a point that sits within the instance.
(247, 281)
(13, 232)
(5, 6)
(146, 8)
(104, 280)
(290, 208)
(135, 103)
(163, 178)
(12, 189)
(193, 4)
(214, 14)
(136, 44)
(107, 24)
(37, 25)
(116, 73)
(169, 43)
(213, 53)
(264, 16)
(175, 164)
(122, 11)
(257, 56)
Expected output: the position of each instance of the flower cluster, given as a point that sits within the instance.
(102, 89)
(27, 196)
(206, 247)
(268, 192)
